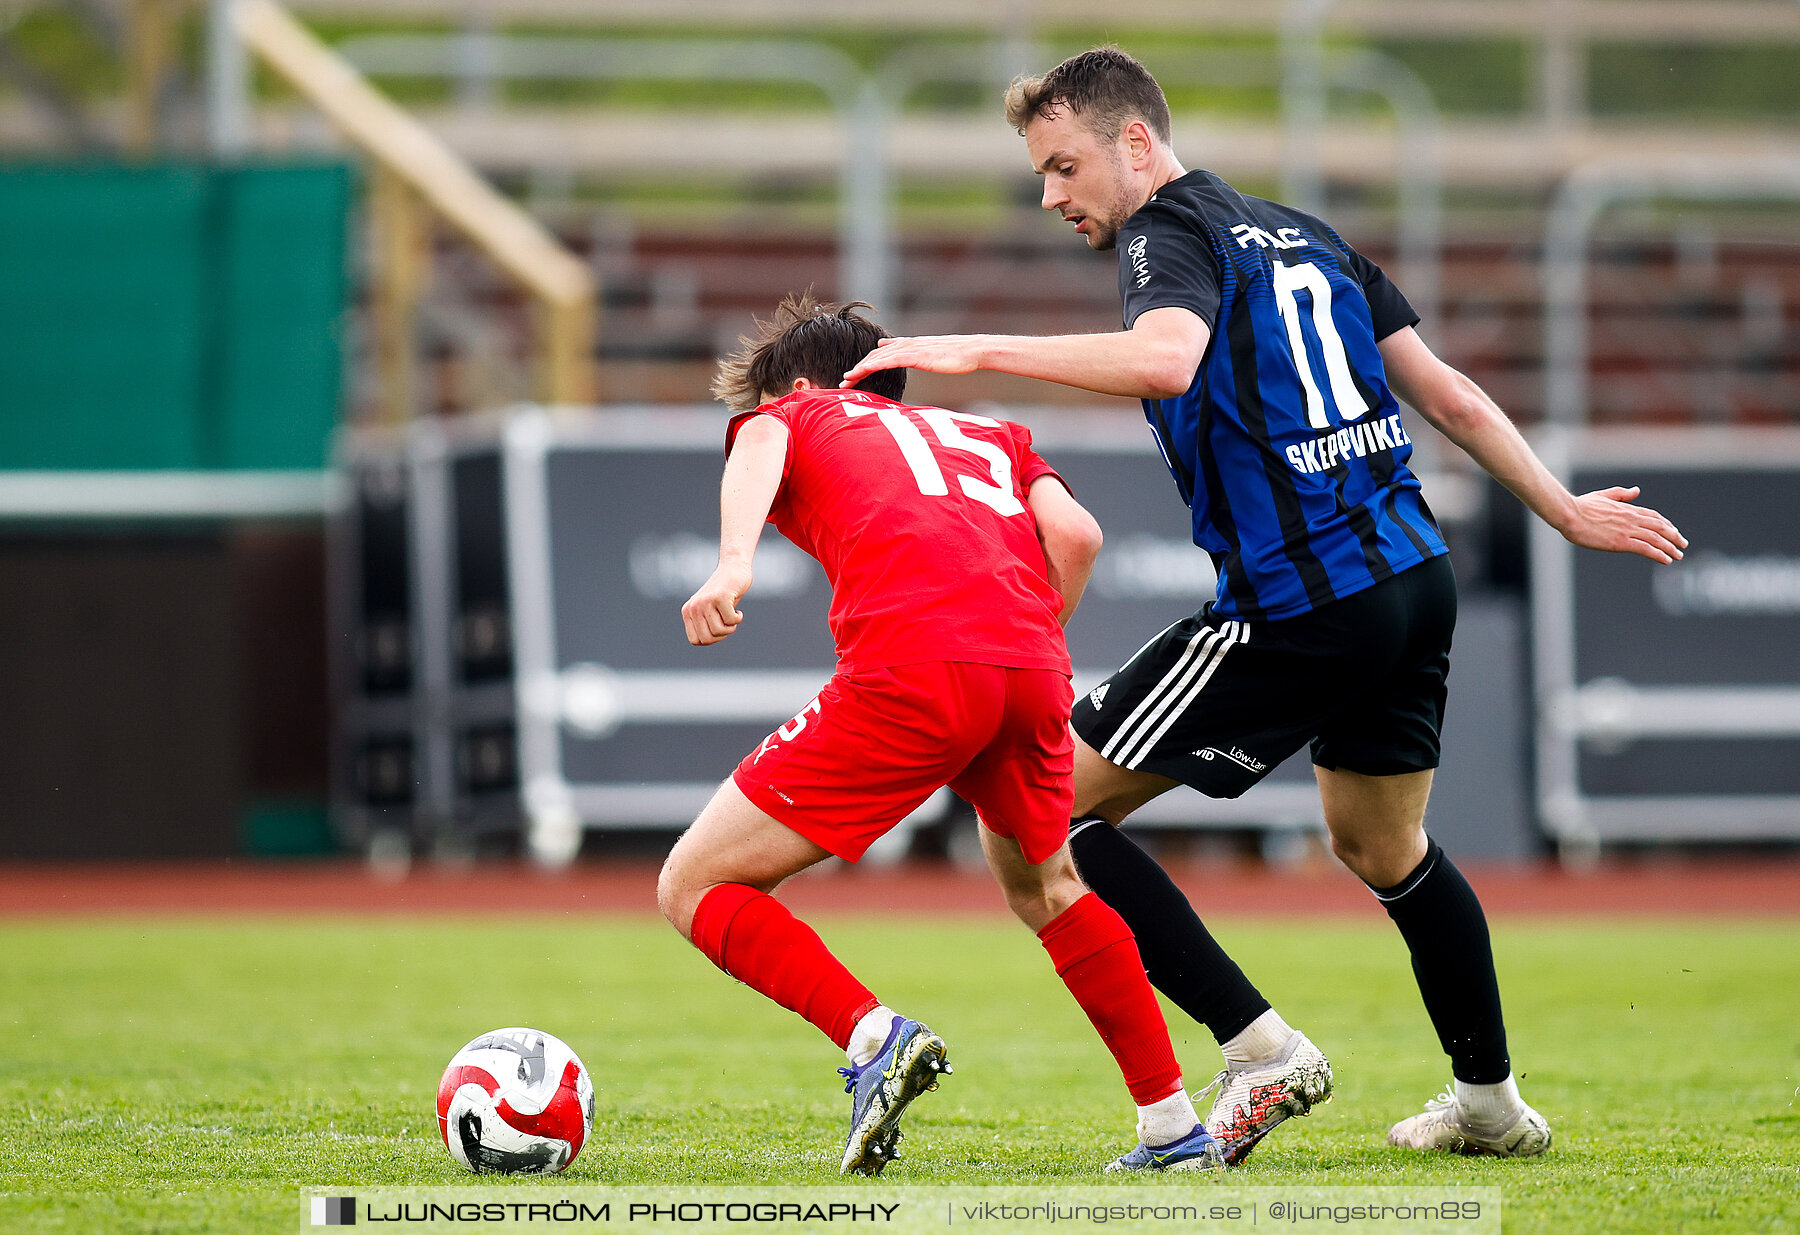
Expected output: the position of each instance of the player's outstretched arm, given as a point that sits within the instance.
(1462, 411)
(1071, 539)
(752, 477)
(1156, 359)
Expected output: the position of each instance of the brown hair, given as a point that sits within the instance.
(1107, 87)
(806, 338)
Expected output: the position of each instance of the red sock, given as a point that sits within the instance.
(1097, 958)
(752, 937)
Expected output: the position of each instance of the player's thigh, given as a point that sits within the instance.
(1105, 789)
(732, 841)
(1019, 779)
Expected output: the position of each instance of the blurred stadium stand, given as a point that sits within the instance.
(1437, 134)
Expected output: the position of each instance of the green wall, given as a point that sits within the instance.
(171, 316)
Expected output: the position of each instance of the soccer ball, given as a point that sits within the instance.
(515, 1102)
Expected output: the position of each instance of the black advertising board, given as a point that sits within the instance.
(1669, 695)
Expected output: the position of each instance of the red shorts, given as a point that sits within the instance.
(873, 746)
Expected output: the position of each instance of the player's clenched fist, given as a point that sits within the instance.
(712, 613)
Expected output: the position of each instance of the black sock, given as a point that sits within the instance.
(1183, 960)
(1441, 920)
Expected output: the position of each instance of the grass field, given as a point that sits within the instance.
(191, 1075)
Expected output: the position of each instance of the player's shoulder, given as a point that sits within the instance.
(802, 413)
(736, 424)
(835, 403)
(1289, 226)
(1197, 198)
(1251, 230)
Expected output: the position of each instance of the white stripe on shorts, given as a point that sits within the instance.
(1149, 709)
(1107, 751)
(1238, 634)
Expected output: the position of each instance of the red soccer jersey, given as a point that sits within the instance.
(918, 516)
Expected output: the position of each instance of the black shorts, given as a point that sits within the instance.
(1217, 702)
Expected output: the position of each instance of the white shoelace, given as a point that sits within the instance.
(1200, 1095)
(1445, 1101)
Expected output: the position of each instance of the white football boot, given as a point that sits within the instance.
(1446, 1127)
(1255, 1096)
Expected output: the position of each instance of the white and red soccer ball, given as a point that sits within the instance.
(515, 1102)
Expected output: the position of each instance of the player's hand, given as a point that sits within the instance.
(712, 613)
(936, 353)
(1606, 519)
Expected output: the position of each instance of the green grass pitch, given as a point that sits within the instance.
(191, 1075)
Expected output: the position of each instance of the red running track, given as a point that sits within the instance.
(1769, 888)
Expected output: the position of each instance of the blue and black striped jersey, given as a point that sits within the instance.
(1288, 447)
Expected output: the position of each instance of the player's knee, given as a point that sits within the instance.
(1043, 901)
(1381, 860)
(1355, 852)
(1031, 906)
(676, 894)
(1108, 798)
(666, 892)
(1062, 895)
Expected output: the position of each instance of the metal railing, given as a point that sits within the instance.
(865, 102)
(1558, 32)
(1587, 195)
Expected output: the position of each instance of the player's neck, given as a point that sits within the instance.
(1168, 169)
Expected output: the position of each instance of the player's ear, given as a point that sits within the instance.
(1139, 145)
(803, 383)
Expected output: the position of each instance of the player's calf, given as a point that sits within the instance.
(1098, 961)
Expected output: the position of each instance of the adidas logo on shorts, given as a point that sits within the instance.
(1098, 695)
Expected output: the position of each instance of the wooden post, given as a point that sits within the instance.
(148, 69)
(419, 169)
(565, 351)
(402, 251)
